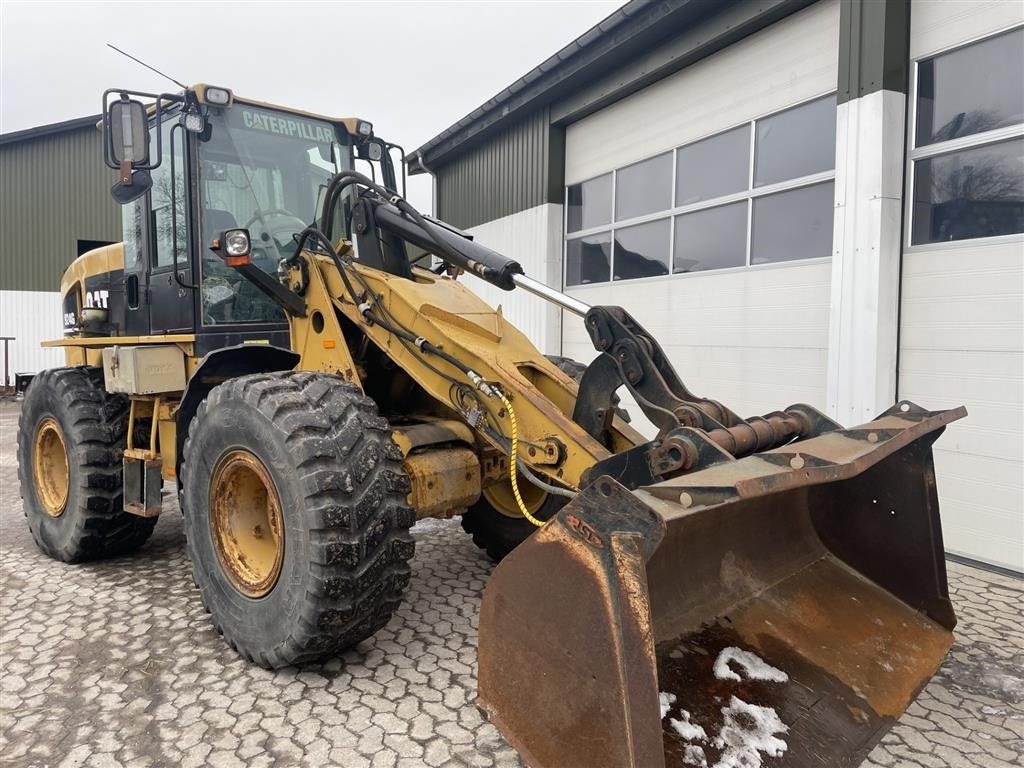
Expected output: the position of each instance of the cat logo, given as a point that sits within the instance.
(96, 299)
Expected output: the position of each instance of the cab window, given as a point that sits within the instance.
(168, 197)
(265, 171)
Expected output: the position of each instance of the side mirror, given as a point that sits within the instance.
(128, 140)
(129, 132)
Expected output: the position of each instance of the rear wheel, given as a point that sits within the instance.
(71, 437)
(495, 521)
(296, 515)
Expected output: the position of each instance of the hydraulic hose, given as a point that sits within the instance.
(394, 213)
(514, 456)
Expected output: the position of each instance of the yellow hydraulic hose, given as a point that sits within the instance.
(513, 457)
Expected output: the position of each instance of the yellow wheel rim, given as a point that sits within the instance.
(246, 523)
(501, 498)
(50, 467)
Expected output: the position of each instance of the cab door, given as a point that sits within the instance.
(133, 238)
(170, 264)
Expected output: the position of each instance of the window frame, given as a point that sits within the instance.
(935, 149)
(749, 195)
(185, 253)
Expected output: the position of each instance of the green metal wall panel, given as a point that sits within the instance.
(874, 47)
(54, 191)
(516, 168)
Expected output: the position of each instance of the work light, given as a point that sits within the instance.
(219, 96)
(193, 122)
(364, 128)
(234, 247)
(236, 242)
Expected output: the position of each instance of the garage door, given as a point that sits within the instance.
(962, 315)
(704, 206)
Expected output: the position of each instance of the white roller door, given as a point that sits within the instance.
(744, 333)
(962, 311)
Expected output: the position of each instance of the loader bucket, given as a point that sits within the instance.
(780, 609)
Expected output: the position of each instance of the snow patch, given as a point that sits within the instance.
(753, 665)
(666, 700)
(686, 729)
(748, 731)
(431, 524)
(695, 756)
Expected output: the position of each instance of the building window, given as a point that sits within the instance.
(759, 193)
(791, 225)
(967, 162)
(588, 259)
(798, 142)
(713, 167)
(641, 250)
(644, 187)
(589, 204)
(712, 238)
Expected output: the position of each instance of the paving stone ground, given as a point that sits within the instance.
(115, 663)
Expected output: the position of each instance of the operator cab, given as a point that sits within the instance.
(211, 163)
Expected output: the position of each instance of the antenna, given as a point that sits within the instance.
(139, 61)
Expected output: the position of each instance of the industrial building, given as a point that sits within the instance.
(54, 207)
(822, 201)
(818, 201)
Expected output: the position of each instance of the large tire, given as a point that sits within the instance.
(345, 545)
(495, 524)
(71, 437)
(575, 370)
(498, 533)
(571, 368)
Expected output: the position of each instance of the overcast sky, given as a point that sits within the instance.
(412, 68)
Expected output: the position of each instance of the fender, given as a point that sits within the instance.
(219, 366)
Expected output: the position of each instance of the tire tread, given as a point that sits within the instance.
(356, 518)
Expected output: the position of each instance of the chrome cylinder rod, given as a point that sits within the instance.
(550, 294)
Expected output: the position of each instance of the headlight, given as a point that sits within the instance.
(233, 246)
(219, 96)
(236, 242)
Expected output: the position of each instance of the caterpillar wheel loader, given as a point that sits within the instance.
(282, 340)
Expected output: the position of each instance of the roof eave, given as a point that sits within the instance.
(49, 129)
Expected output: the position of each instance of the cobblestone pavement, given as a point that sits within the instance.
(115, 663)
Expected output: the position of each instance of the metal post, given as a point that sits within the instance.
(7, 373)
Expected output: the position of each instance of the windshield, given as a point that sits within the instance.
(265, 171)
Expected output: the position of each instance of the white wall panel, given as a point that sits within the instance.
(31, 317)
(866, 254)
(962, 343)
(748, 337)
(939, 24)
(533, 238)
(787, 63)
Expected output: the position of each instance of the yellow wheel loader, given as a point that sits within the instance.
(283, 339)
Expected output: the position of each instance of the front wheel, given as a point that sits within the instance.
(296, 515)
